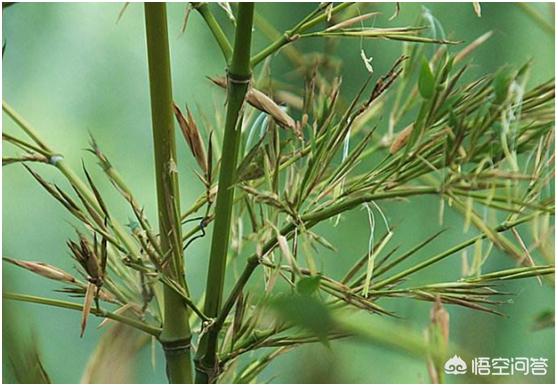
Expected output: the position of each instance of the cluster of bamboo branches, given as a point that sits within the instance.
(290, 160)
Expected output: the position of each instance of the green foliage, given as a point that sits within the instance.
(461, 141)
(307, 312)
(426, 80)
(308, 285)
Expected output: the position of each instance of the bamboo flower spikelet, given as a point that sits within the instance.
(371, 173)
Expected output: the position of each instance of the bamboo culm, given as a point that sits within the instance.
(238, 75)
(175, 336)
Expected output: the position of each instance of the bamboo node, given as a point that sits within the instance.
(238, 79)
(177, 347)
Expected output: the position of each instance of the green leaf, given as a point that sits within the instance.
(447, 107)
(426, 80)
(383, 332)
(22, 362)
(446, 69)
(250, 168)
(308, 285)
(307, 312)
(502, 81)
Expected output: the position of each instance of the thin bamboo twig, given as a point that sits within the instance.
(152, 330)
(215, 29)
(535, 15)
(288, 36)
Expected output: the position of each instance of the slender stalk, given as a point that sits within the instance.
(294, 55)
(215, 29)
(79, 307)
(290, 35)
(323, 214)
(25, 126)
(176, 335)
(238, 78)
(539, 19)
(251, 265)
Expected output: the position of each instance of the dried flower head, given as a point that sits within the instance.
(264, 103)
(85, 256)
(192, 136)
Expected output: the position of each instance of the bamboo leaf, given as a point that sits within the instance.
(307, 312)
(308, 285)
(426, 81)
(502, 82)
(43, 269)
(114, 358)
(22, 358)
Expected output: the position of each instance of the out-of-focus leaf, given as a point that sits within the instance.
(543, 320)
(307, 312)
(27, 365)
(477, 8)
(308, 285)
(114, 357)
(502, 82)
(438, 337)
(383, 332)
(21, 352)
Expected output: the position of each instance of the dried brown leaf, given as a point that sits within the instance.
(43, 269)
(87, 303)
(351, 21)
(401, 139)
(264, 103)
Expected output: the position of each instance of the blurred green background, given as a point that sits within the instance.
(70, 69)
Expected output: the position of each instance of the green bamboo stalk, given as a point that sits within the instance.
(215, 29)
(176, 335)
(238, 78)
(25, 126)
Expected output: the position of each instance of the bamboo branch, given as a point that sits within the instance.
(309, 221)
(58, 161)
(290, 35)
(79, 307)
(215, 29)
(502, 228)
